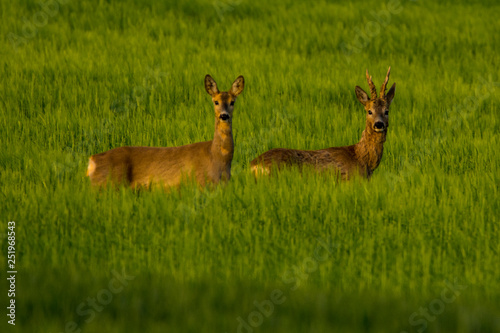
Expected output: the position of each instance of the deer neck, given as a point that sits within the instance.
(369, 149)
(222, 145)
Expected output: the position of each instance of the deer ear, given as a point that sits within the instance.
(390, 94)
(361, 95)
(211, 86)
(238, 86)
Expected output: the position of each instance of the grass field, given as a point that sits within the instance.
(415, 249)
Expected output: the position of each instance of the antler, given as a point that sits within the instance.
(373, 90)
(382, 90)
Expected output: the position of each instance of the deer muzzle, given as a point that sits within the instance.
(379, 126)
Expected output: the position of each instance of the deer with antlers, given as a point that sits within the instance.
(361, 158)
(208, 161)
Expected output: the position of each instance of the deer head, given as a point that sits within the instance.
(224, 101)
(377, 108)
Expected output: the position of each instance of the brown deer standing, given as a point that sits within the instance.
(361, 158)
(203, 161)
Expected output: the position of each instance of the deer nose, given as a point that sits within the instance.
(379, 125)
(224, 116)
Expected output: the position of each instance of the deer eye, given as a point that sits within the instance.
(386, 112)
(369, 112)
(232, 103)
(216, 103)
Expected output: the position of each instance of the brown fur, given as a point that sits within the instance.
(361, 158)
(208, 161)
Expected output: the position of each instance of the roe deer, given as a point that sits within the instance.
(361, 158)
(203, 161)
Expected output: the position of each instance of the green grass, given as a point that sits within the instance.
(104, 74)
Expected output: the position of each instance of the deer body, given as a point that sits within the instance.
(360, 159)
(208, 161)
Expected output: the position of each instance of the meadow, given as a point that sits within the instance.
(414, 249)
